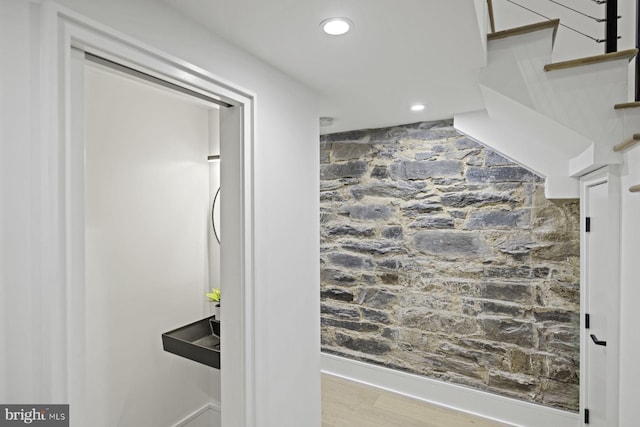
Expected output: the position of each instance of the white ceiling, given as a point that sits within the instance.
(399, 53)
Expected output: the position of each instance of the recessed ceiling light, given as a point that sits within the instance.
(417, 107)
(336, 26)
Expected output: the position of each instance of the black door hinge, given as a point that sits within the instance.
(588, 224)
(587, 321)
(586, 416)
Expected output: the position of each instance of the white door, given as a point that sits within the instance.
(600, 301)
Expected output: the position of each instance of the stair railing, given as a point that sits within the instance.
(637, 47)
(492, 19)
(611, 28)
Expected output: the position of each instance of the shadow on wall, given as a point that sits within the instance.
(441, 258)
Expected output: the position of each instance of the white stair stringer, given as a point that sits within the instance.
(482, 12)
(579, 97)
(582, 154)
(512, 60)
(566, 111)
(510, 141)
(582, 98)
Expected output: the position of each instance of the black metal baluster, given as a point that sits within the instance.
(611, 30)
(637, 47)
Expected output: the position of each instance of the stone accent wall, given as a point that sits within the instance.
(441, 258)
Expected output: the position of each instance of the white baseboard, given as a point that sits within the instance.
(464, 399)
(207, 416)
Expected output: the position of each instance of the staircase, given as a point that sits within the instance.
(561, 120)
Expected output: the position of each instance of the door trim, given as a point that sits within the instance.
(61, 33)
(610, 175)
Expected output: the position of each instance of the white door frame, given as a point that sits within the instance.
(62, 136)
(610, 175)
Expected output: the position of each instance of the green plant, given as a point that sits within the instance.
(214, 295)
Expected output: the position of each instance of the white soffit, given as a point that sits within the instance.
(398, 53)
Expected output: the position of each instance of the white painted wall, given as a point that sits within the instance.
(22, 268)
(147, 185)
(286, 208)
(630, 292)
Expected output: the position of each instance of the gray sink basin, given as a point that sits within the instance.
(198, 341)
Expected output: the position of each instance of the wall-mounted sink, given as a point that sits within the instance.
(198, 341)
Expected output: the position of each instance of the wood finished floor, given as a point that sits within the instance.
(350, 404)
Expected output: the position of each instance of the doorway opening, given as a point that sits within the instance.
(150, 255)
(236, 148)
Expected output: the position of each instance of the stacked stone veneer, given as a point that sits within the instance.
(441, 258)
